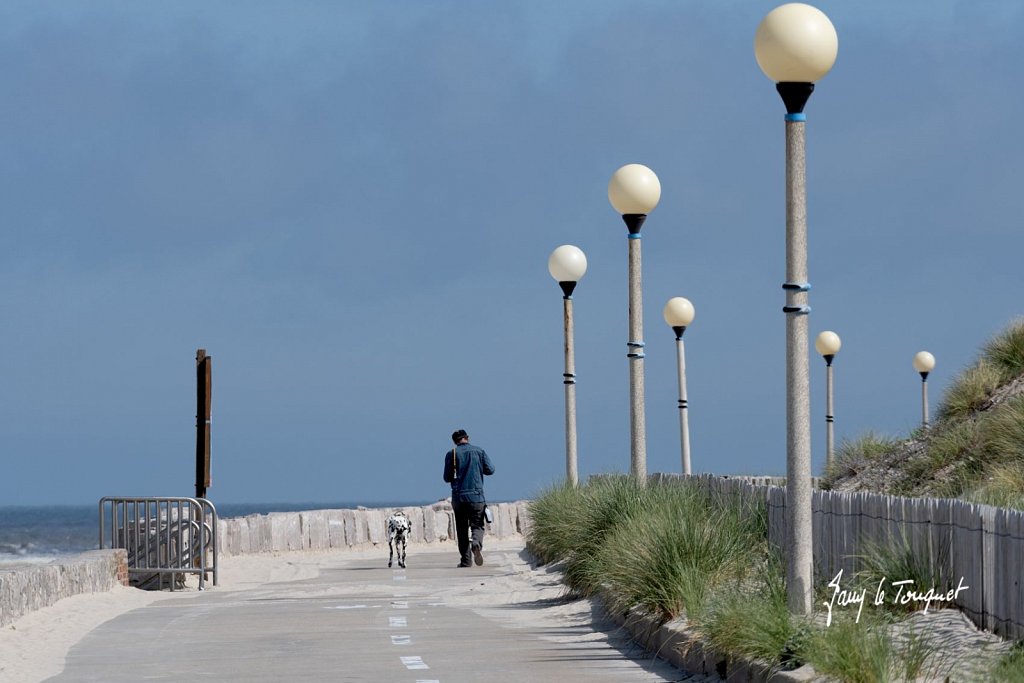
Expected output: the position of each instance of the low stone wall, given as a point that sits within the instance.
(362, 527)
(26, 589)
(29, 588)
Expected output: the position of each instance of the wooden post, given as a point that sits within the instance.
(203, 386)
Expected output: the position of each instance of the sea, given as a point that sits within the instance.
(40, 534)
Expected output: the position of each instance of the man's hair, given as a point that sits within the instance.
(458, 435)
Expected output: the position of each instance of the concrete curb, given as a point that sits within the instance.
(27, 589)
(676, 642)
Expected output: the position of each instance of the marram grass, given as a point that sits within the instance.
(674, 549)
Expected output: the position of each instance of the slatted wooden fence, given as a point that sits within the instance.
(981, 544)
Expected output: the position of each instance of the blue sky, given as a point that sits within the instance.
(351, 205)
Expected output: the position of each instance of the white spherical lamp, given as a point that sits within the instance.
(924, 361)
(567, 263)
(678, 312)
(828, 343)
(634, 190)
(796, 43)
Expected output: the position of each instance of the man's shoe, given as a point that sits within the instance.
(462, 566)
(477, 556)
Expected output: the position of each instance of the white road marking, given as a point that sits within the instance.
(399, 577)
(414, 663)
(401, 640)
(399, 604)
(347, 607)
(397, 622)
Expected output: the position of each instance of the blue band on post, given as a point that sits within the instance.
(635, 345)
(634, 235)
(796, 286)
(796, 117)
(796, 310)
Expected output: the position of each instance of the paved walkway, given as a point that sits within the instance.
(360, 621)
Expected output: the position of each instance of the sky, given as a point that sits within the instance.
(350, 206)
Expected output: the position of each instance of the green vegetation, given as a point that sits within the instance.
(669, 554)
(853, 457)
(970, 391)
(872, 650)
(672, 549)
(1010, 668)
(882, 562)
(974, 450)
(752, 620)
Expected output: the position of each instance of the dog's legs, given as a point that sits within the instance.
(401, 553)
(391, 551)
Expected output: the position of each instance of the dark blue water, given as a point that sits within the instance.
(34, 534)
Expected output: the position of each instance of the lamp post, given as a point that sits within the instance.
(678, 313)
(828, 345)
(924, 363)
(795, 45)
(634, 191)
(567, 264)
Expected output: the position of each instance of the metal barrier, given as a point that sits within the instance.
(164, 537)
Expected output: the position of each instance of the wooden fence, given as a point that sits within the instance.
(977, 546)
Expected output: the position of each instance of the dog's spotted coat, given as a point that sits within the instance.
(398, 530)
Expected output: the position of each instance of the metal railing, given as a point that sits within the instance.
(165, 537)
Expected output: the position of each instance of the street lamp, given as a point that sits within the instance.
(924, 363)
(567, 264)
(828, 345)
(634, 191)
(679, 314)
(795, 45)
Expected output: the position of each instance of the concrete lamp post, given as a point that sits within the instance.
(678, 313)
(567, 264)
(828, 344)
(634, 191)
(924, 363)
(796, 45)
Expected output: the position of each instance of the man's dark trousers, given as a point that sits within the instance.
(469, 516)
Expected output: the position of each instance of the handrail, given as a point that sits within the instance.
(163, 534)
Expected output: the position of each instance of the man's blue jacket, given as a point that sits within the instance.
(466, 475)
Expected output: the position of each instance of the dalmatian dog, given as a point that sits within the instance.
(398, 532)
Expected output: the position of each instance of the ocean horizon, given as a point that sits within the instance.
(38, 534)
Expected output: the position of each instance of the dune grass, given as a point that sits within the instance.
(969, 391)
(975, 448)
(1010, 667)
(881, 562)
(660, 546)
(752, 620)
(1006, 350)
(1000, 361)
(870, 651)
(670, 555)
(555, 516)
(674, 549)
(854, 455)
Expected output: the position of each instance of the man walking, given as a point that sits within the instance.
(464, 468)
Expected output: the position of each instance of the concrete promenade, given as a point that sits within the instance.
(358, 620)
